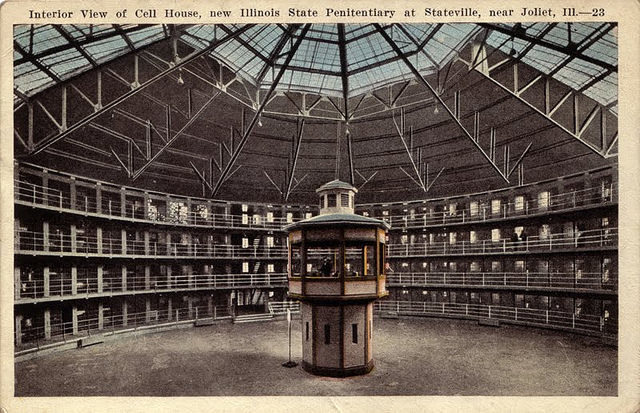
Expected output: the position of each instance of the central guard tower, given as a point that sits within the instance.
(337, 270)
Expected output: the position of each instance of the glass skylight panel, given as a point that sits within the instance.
(21, 35)
(206, 33)
(603, 50)
(16, 55)
(195, 41)
(419, 31)
(27, 78)
(311, 54)
(146, 35)
(253, 68)
(543, 59)
(65, 62)
(577, 73)
(354, 30)
(324, 31)
(452, 37)
(106, 49)
(580, 31)
(604, 91)
(367, 51)
(496, 39)
(80, 31)
(558, 35)
(263, 38)
(233, 54)
(46, 37)
(402, 41)
(534, 29)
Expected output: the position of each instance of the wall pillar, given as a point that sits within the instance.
(123, 238)
(190, 307)
(17, 283)
(147, 310)
(125, 313)
(47, 324)
(74, 280)
(47, 281)
(210, 305)
(74, 320)
(169, 276)
(100, 271)
(73, 193)
(147, 249)
(100, 316)
(147, 277)
(145, 207)
(124, 278)
(45, 236)
(16, 234)
(99, 240)
(74, 238)
(169, 309)
(98, 197)
(19, 329)
(123, 203)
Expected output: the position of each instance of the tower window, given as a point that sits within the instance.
(344, 200)
(332, 200)
(327, 334)
(354, 333)
(306, 331)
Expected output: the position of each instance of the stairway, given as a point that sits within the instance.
(252, 318)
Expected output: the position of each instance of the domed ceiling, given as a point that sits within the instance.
(270, 112)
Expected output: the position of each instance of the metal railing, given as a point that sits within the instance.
(597, 238)
(588, 197)
(63, 287)
(94, 324)
(61, 243)
(37, 195)
(564, 280)
(281, 307)
(580, 323)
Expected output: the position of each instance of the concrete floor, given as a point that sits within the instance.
(413, 357)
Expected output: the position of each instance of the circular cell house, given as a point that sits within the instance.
(336, 270)
(167, 175)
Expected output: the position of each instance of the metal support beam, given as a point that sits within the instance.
(253, 122)
(342, 48)
(45, 143)
(521, 34)
(297, 143)
(350, 153)
(173, 138)
(422, 80)
(401, 133)
(548, 117)
(366, 180)
(273, 183)
(426, 174)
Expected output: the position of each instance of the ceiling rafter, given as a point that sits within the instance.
(521, 34)
(454, 116)
(60, 29)
(45, 143)
(249, 129)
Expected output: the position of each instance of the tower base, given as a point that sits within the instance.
(338, 372)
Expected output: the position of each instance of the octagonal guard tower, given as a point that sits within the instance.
(337, 270)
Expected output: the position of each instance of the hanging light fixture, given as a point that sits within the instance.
(180, 79)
